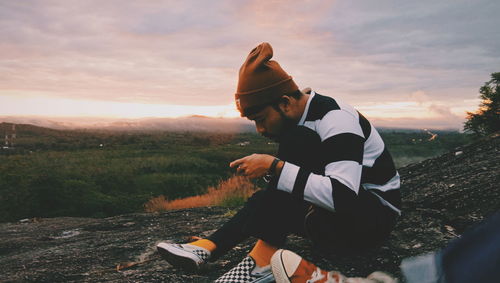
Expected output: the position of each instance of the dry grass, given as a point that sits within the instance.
(231, 192)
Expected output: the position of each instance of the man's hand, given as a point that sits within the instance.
(253, 166)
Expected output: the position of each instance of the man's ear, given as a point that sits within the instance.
(285, 103)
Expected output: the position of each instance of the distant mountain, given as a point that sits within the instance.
(26, 130)
(191, 124)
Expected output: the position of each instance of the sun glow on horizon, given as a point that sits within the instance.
(62, 107)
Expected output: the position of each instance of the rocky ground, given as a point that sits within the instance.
(441, 198)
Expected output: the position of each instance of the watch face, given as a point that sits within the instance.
(267, 178)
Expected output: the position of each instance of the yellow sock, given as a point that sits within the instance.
(262, 253)
(204, 243)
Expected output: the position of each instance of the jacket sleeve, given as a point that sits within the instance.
(342, 143)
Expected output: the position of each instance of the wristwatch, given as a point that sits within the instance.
(272, 170)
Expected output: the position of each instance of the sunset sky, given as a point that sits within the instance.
(400, 63)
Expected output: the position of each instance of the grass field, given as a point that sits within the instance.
(97, 174)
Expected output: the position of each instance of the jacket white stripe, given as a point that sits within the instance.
(319, 191)
(347, 172)
(338, 122)
(393, 184)
(287, 177)
(386, 203)
(374, 146)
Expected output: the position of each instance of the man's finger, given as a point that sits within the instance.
(236, 162)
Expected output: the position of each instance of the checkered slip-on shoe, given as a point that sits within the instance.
(289, 267)
(247, 271)
(186, 256)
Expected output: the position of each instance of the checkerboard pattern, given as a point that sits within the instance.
(241, 273)
(202, 253)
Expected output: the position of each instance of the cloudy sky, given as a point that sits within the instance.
(401, 63)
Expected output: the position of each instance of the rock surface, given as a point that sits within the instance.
(441, 198)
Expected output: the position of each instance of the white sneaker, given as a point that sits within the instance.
(186, 256)
(247, 271)
(288, 267)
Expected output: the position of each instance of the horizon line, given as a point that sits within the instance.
(79, 121)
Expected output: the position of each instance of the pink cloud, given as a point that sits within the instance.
(189, 53)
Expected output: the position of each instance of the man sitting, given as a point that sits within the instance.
(333, 180)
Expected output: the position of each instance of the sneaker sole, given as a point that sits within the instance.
(178, 257)
(278, 269)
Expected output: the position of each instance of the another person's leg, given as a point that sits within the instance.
(474, 257)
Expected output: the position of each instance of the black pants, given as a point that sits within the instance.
(271, 215)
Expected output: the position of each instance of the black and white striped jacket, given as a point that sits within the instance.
(356, 159)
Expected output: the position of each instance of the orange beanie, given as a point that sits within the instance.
(261, 80)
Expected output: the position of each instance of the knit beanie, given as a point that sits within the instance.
(261, 80)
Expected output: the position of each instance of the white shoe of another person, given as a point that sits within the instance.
(288, 267)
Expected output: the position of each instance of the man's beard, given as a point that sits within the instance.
(287, 125)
